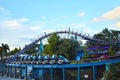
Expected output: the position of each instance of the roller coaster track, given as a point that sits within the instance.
(27, 47)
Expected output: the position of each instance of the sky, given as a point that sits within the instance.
(22, 21)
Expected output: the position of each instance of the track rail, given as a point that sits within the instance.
(27, 47)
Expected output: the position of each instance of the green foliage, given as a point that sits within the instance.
(33, 50)
(113, 73)
(4, 48)
(1, 51)
(68, 47)
(109, 36)
(111, 52)
(53, 39)
(65, 47)
(13, 52)
(48, 49)
(52, 46)
(86, 55)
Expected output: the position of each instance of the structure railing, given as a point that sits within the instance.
(57, 72)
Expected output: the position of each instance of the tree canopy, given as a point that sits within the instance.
(52, 46)
(110, 36)
(63, 46)
(4, 48)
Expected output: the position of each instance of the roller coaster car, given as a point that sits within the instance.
(54, 59)
(105, 57)
(39, 59)
(94, 56)
(33, 59)
(46, 59)
(23, 59)
(28, 59)
(63, 60)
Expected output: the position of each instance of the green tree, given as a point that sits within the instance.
(63, 46)
(48, 49)
(14, 51)
(86, 55)
(68, 48)
(110, 36)
(33, 50)
(1, 53)
(113, 73)
(52, 46)
(4, 48)
(111, 52)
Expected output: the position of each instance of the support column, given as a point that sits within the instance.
(8, 70)
(63, 73)
(5, 70)
(78, 73)
(11, 71)
(20, 67)
(15, 71)
(51, 72)
(32, 72)
(94, 73)
(42, 72)
(25, 72)
(107, 67)
(0, 70)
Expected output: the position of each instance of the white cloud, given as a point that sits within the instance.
(117, 24)
(79, 27)
(43, 17)
(81, 14)
(13, 24)
(57, 19)
(35, 28)
(96, 19)
(110, 15)
(23, 20)
(1, 8)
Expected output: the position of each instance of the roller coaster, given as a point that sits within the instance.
(39, 67)
(27, 47)
(40, 59)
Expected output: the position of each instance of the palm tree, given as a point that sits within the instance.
(1, 51)
(4, 50)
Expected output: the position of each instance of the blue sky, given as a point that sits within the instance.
(23, 20)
